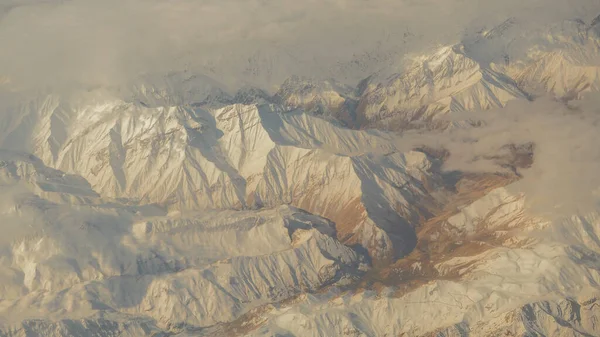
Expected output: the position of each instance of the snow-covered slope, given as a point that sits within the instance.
(143, 269)
(323, 98)
(433, 85)
(563, 63)
(517, 285)
(504, 63)
(237, 157)
(171, 219)
(170, 205)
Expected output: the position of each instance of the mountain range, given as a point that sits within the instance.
(171, 206)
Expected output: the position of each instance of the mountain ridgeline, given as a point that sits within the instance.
(171, 206)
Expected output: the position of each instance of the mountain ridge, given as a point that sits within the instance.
(171, 206)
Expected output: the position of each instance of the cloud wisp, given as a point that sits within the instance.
(70, 42)
(563, 178)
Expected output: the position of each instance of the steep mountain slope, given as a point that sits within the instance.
(207, 272)
(201, 270)
(558, 317)
(433, 85)
(561, 59)
(240, 157)
(482, 72)
(77, 262)
(169, 206)
(326, 98)
(494, 290)
(563, 63)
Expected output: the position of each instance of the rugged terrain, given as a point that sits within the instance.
(171, 206)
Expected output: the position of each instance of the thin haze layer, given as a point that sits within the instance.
(62, 42)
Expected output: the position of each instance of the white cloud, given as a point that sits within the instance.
(564, 177)
(53, 42)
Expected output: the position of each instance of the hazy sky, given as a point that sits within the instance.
(55, 42)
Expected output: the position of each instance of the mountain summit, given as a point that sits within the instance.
(171, 205)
